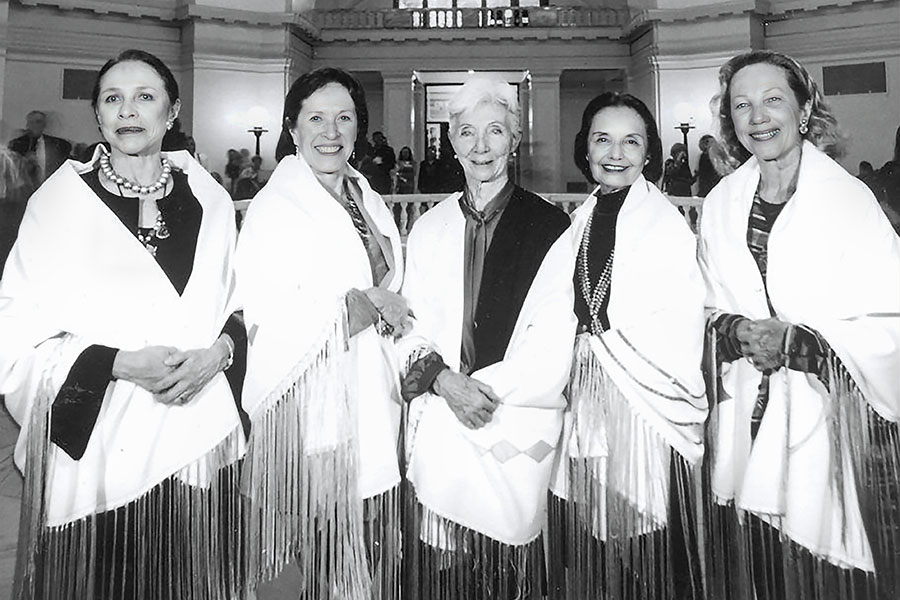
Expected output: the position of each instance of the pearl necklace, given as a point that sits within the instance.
(594, 300)
(160, 183)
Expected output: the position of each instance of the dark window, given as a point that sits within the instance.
(78, 84)
(864, 78)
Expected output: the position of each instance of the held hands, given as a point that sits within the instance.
(472, 401)
(763, 342)
(171, 375)
(393, 309)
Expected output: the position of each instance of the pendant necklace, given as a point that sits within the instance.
(147, 236)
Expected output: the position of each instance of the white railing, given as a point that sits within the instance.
(407, 208)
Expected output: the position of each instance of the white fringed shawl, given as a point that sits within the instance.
(492, 480)
(78, 277)
(832, 265)
(325, 408)
(651, 384)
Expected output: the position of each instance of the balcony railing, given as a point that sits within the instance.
(407, 208)
(470, 18)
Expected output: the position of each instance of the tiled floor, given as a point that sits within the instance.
(10, 494)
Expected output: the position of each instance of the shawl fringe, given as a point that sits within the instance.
(616, 535)
(177, 541)
(444, 560)
(301, 476)
(750, 557)
(382, 515)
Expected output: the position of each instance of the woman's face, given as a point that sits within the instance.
(325, 133)
(133, 109)
(617, 147)
(483, 140)
(765, 111)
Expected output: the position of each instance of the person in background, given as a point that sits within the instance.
(622, 517)
(429, 173)
(406, 172)
(233, 168)
(15, 189)
(707, 176)
(804, 341)
(677, 178)
(248, 182)
(43, 153)
(122, 359)
(383, 163)
(319, 264)
(488, 358)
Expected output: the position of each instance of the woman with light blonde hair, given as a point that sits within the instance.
(803, 294)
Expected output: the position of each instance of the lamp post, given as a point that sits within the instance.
(258, 131)
(684, 116)
(684, 127)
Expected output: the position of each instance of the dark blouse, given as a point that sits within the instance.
(182, 214)
(600, 246)
(78, 402)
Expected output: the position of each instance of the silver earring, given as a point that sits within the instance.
(169, 126)
(803, 128)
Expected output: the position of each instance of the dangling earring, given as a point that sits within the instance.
(353, 155)
(169, 126)
(803, 128)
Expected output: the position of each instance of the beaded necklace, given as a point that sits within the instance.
(593, 299)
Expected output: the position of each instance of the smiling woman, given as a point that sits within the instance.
(623, 496)
(802, 278)
(489, 353)
(319, 263)
(122, 361)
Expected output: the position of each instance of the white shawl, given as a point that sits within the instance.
(652, 353)
(832, 265)
(298, 255)
(78, 277)
(494, 479)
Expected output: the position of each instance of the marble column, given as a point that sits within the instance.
(543, 172)
(398, 108)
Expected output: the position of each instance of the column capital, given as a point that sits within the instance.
(545, 76)
(397, 76)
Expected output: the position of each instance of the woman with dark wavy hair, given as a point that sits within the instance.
(319, 263)
(634, 435)
(804, 299)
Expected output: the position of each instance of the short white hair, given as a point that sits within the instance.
(490, 88)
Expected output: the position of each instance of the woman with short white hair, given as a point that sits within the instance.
(489, 356)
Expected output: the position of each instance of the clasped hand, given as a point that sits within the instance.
(762, 342)
(472, 401)
(173, 376)
(393, 308)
